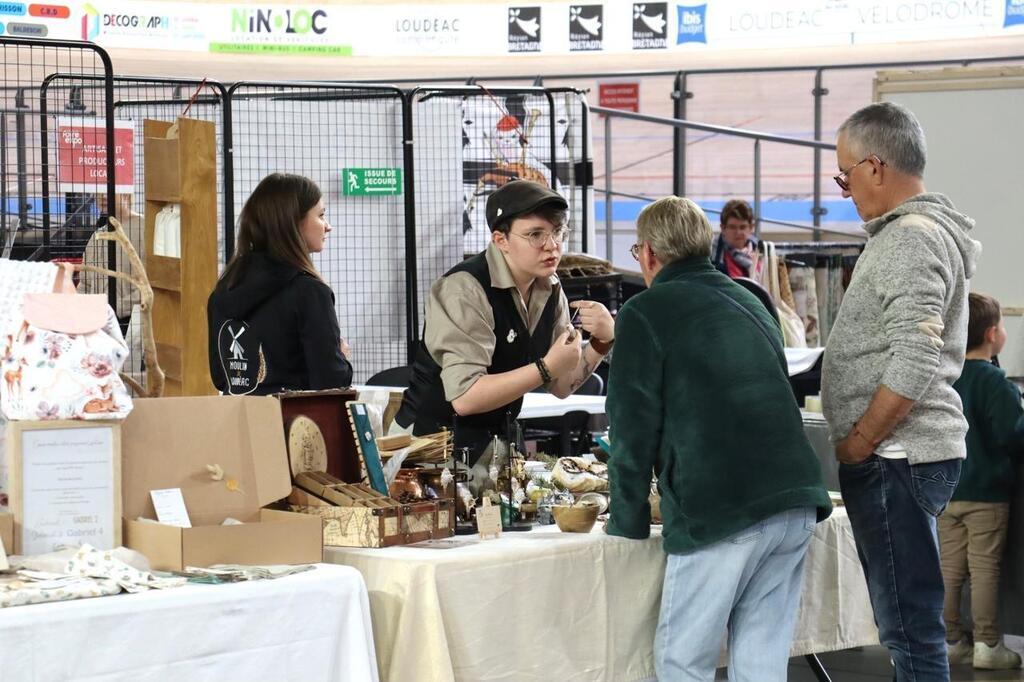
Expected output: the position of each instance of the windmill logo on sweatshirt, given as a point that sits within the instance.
(586, 28)
(650, 25)
(241, 357)
(524, 29)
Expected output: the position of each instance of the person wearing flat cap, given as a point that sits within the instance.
(497, 326)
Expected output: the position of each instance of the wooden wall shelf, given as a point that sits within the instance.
(182, 171)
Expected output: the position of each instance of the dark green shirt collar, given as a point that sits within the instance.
(677, 269)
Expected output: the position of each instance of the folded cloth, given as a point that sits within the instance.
(230, 573)
(82, 572)
(91, 562)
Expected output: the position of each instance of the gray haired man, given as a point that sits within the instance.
(896, 348)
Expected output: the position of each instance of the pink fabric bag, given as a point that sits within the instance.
(61, 359)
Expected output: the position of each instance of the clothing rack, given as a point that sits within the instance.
(813, 285)
(804, 247)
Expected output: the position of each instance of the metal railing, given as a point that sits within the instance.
(680, 95)
(677, 125)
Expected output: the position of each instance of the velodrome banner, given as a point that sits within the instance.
(480, 30)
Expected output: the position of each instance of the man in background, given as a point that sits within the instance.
(891, 359)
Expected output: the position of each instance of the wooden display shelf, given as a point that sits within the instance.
(182, 171)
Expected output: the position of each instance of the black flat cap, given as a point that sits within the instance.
(519, 198)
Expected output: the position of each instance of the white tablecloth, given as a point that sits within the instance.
(546, 605)
(534, 404)
(546, 405)
(309, 627)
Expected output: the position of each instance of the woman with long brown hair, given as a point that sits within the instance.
(272, 321)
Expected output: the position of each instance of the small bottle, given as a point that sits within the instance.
(544, 517)
(493, 471)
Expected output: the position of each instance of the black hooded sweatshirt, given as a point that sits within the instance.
(276, 330)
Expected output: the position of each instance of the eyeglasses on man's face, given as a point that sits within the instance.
(539, 238)
(843, 179)
(635, 251)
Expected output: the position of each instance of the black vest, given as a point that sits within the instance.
(424, 404)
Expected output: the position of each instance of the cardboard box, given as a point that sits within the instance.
(7, 532)
(168, 443)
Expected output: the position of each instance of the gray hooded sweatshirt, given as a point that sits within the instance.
(903, 324)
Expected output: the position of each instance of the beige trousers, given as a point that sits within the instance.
(972, 537)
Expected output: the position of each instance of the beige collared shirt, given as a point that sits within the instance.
(460, 333)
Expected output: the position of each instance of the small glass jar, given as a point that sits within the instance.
(544, 517)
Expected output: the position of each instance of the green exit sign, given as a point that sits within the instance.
(365, 182)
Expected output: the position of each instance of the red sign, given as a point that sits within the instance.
(49, 11)
(82, 155)
(625, 96)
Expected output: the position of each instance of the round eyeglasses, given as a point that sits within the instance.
(539, 238)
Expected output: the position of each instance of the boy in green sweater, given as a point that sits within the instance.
(972, 531)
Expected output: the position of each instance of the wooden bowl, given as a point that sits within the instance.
(577, 519)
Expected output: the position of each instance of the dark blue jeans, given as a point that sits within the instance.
(892, 507)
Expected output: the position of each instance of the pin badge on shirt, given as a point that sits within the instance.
(511, 335)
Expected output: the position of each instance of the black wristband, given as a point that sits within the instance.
(545, 375)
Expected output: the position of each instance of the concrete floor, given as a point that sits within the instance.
(871, 664)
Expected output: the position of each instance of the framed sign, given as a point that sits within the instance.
(65, 484)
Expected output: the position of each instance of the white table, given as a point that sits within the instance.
(535, 405)
(313, 627)
(547, 605)
(800, 360)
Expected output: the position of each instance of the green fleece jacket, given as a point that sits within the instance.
(699, 395)
(995, 438)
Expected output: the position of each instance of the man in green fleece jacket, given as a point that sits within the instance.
(738, 504)
(887, 378)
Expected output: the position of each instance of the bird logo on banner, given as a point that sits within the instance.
(530, 28)
(655, 23)
(591, 25)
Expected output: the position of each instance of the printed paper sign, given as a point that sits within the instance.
(82, 155)
(170, 507)
(625, 96)
(488, 520)
(68, 488)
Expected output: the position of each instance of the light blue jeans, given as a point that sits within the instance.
(748, 583)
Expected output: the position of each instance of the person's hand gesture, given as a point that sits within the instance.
(564, 354)
(595, 319)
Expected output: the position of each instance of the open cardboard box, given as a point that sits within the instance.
(168, 443)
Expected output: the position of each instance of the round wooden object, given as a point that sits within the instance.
(307, 450)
